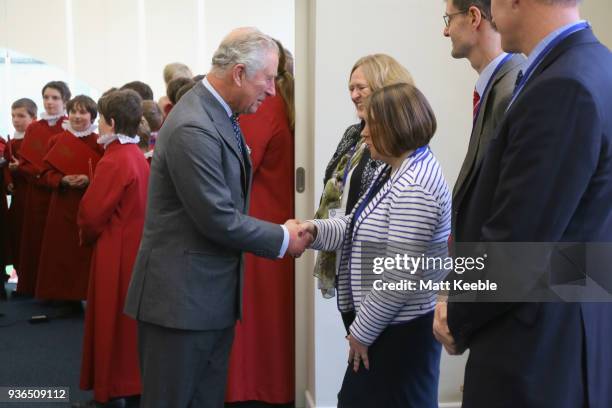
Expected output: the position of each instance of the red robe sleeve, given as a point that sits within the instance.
(100, 200)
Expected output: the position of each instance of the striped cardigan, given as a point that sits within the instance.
(410, 214)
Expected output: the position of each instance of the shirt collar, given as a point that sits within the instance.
(109, 138)
(487, 73)
(51, 119)
(80, 134)
(218, 97)
(545, 41)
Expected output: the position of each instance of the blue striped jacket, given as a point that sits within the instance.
(410, 214)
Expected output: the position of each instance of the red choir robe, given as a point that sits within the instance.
(18, 197)
(63, 269)
(4, 220)
(262, 359)
(111, 215)
(37, 200)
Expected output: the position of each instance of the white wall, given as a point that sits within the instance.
(411, 31)
(110, 42)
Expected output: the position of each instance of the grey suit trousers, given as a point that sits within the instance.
(183, 368)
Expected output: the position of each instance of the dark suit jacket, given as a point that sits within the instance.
(546, 177)
(188, 273)
(492, 110)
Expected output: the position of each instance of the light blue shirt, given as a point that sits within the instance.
(544, 43)
(487, 73)
(228, 110)
(534, 59)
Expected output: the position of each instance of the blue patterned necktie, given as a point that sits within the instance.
(237, 133)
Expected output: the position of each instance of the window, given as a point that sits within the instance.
(22, 76)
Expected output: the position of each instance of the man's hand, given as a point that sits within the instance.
(441, 330)
(298, 239)
(357, 352)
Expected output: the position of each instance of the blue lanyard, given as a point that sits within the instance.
(373, 188)
(489, 83)
(362, 207)
(569, 31)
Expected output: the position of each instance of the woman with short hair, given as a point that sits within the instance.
(393, 358)
(261, 366)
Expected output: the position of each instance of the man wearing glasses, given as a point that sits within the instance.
(473, 36)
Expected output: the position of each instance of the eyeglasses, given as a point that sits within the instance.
(447, 17)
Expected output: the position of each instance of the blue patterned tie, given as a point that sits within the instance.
(237, 133)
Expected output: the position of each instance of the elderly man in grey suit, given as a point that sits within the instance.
(186, 288)
(474, 36)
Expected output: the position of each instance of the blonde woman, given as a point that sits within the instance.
(351, 169)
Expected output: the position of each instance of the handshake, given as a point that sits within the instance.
(301, 236)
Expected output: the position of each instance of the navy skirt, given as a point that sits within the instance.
(404, 369)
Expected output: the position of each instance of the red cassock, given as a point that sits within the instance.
(18, 197)
(4, 220)
(36, 202)
(262, 357)
(111, 215)
(63, 269)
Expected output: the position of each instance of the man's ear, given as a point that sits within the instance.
(238, 74)
(112, 123)
(475, 15)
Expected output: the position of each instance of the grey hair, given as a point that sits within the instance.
(243, 46)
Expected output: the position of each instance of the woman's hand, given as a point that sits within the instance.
(357, 352)
(310, 229)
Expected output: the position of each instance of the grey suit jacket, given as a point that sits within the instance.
(188, 273)
(493, 108)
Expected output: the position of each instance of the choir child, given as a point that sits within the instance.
(32, 152)
(63, 271)
(23, 113)
(111, 217)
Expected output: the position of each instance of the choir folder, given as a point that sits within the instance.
(70, 155)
